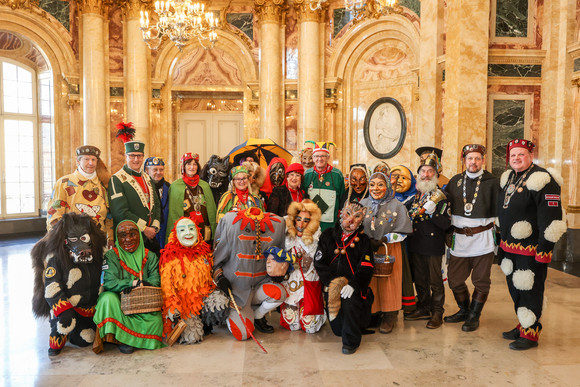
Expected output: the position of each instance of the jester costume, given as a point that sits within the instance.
(325, 189)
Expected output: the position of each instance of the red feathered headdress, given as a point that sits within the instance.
(125, 131)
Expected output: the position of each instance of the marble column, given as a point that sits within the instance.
(465, 106)
(137, 80)
(574, 161)
(310, 73)
(430, 74)
(95, 126)
(270, 15)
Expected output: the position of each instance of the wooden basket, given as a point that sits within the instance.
(383, 266)
(142, 299)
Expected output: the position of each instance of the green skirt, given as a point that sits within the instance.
(142, 330)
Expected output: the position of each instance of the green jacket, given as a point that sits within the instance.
(116, 278)
(325, 193)
(127, 200)
(176, 196)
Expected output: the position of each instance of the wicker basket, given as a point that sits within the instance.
(142, 299)
(383, 266)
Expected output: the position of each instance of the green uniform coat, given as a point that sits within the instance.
(330, 189)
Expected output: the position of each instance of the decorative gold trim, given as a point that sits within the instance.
(270, 11)
(20, 4)
(157, 105)
(306, 13)
(91, 6)
(573, 209)
(228, 27)
(132, 8)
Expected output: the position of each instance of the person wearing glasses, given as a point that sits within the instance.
(324, 185)
(132, 196)
(238, 197)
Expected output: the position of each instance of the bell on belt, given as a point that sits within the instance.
(352, 245)
(343, 251)
(356, 239)
(336, 251)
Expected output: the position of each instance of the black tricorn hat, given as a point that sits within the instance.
(429, 149)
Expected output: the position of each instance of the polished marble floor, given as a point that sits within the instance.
(411, 355)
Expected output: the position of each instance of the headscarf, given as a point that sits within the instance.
(267, 186)
(242, 195)
(411, 191)
(375, 203)
(133, 260)
(351, 193)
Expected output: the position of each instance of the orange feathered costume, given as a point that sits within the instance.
(185, 278)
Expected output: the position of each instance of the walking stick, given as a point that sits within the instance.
(243, 322)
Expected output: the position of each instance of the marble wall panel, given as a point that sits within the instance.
(35, 56)
(116, 91)
(117, 147)
(291, 44)
(242, 21)
(508, 123)
(9, 41)
(413, 5)
(291, 125)
(514, 70)
(60, 10)
(383, 64)
(537, 36)
(206, 67)
(115, 42)
(340, 18)
(74, 28)
(576, 64)
(577, 26)
(249, 9)
(512, 18)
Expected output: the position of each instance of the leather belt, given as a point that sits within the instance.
(470, 231)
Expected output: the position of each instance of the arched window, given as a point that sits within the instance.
(26, 139)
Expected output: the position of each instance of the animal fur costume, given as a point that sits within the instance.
(216, 172)
(67, 269)
(186, 282)
(257, 176)
(292, 311)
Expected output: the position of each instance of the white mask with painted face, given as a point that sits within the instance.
(186, 232)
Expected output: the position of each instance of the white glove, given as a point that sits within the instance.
(393, 237)
(430, 207)
(346, 292)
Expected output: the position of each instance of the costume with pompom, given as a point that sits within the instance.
(186, 283)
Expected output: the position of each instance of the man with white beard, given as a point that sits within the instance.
(431, 218)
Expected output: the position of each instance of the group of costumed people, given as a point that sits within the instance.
(291, 237)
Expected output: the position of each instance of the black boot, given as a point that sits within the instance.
(513, 334)
(262, 325)
(472, 322)
(461, 315)
(522, 344)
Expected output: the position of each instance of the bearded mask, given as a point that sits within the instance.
(186, 232)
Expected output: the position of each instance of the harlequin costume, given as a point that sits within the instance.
(292, 312)
(241, 239)
(162, 188)
(81, 193)
(186, 280)
(192, 197)
(387, 222)
(325, 188)
(121, 269)
(531, 222)
(236, 200)
(473, 200)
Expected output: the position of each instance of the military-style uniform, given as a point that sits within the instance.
(530, 217)
(325, 190)
(130, 200)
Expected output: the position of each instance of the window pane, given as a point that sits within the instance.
(24, 75)
(19, 161)
(9, 71)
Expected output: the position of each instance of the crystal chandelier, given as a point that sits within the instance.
(181, 21)
(383, 7)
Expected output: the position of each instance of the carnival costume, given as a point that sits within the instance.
(283, 195)
(192, 197)
(186, 282)
(387, 222)
(67, 264)
(292, 312)
(350, 195)
(121, 269)
(237, 200)
(162, 188)
(240, 265)
(531, 222)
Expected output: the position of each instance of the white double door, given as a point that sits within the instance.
(209, 133)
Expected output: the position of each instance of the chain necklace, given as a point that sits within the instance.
(512, 187)
(468, 207)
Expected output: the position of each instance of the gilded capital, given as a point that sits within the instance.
(270, 11)
(91, 6)
(304, 10)
(19, 4)
(132, 8)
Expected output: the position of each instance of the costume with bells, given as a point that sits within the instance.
(303, 245)
(344, 262)
(473, 198)
(187, 284)
(531, 222)
(192, 197)
(240, 266)
(325, 188)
